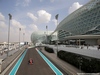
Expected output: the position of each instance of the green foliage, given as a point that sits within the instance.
(50, 50)
(89, 65)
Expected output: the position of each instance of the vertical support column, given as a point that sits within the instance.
(79, 43)
(0, 65)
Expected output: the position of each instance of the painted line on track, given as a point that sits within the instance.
(52, 66)
(17, 65)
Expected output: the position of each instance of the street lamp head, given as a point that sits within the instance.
(46, 27)
(19, 29)
(56, 17)
(10, 16)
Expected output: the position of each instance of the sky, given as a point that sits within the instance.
(33, 15)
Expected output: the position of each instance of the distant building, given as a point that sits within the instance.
(42, 37)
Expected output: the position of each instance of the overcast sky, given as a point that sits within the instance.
(33, 15)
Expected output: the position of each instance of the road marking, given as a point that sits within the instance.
(15, 68)
(52, 66)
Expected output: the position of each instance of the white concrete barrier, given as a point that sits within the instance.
(1, 64)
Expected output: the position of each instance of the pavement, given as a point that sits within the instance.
(90, 52)
(69, 69)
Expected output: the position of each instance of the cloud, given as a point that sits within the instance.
(42, 16)
(2, 21)
(2, 18)
(26, 2)
(33, 27)
(23, 2)
(17, 24)
(74, 6)
(2, 24)
(3, 28)
(32, 16)
(50, 0)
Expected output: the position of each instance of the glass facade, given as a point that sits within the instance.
(85, 20)
(42, 37)
(37, 37)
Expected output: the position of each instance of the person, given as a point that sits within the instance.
(30, 61)
(98, 47)
(87, 46)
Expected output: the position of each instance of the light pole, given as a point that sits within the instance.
(19, 37)
(46, 34)
(10, 17)
(45, 37)
(23, 36)
(56, 17)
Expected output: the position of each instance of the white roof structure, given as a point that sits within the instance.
(83, 37)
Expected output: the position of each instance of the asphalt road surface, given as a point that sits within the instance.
(39, 66)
